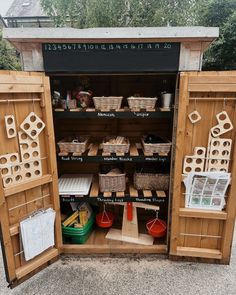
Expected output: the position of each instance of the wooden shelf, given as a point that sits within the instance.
(199, 252)
(122, 113)
(130, 195)
(98, 244)
(95, 154)
(201, 213)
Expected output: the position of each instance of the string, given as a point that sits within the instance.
(224, 104)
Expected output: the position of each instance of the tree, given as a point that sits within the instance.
(121, 13)
(222, 54)
(8, 56)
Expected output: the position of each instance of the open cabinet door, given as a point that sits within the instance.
(26, 189)
(197, 232)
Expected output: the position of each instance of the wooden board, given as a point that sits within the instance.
(197, 233)
(20, 94)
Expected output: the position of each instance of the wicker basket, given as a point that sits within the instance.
(112, 183)
(153, 148)
(72, 145)
(151, 181)
(142, 102)
(116, 147)
(107, 103)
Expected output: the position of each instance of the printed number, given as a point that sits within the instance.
(167, 45)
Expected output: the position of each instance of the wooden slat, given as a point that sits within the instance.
(52, 160)
(212, 87)
(94, 189)
(198, 213)
(14, 79)
(161, 194)
(147, 194)
(36, 262)
(93, 150)
(212, 80)
(133, 150)
(133, 191)
(120, 194)
(107, 194)
(17, 88)
(27, 185)
(199, 252)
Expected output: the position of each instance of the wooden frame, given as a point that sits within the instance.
(20, 92)
(194, 232)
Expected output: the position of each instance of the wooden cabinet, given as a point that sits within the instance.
(192, 233)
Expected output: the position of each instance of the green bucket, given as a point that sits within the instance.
(78, 235)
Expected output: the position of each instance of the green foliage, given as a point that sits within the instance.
(222, 54)
(8, 56)
(121, 13)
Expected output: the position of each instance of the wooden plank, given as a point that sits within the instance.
(95, 189)
(198, 213)
(15, 79)
(132, 190)
(93, 150)
(161, 194)
(6, 241)
(17, 88)
(107, 194)
(52, 161)
(199, 252)
(133, 150)
(211, 79)
(28, 185)
(212, 87)
(36, 262)
(114, 248)
(147, 194)
(177, 171)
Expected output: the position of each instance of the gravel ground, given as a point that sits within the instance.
(129, 276)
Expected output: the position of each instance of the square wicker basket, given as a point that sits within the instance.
(115, 147)
(151, 181)
(141, 102)
(73, 144)
(156, 148)
(107, 103)
(112, 183)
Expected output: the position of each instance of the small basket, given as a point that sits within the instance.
(107, 103)
(156, 148)
(73, 145)
(116, 147)
(142, 102)
(151, 181)
(72, 104)
(112, 183)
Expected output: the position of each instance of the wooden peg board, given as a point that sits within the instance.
(7, 161)
(32, 125)
(10, 126)
(29, 148)
(194, 117)
(224, 125)
(196, 162)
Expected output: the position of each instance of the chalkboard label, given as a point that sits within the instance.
(111, 57)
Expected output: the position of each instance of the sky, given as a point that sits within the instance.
(4, 5)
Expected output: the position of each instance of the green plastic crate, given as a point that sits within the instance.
(78, 235)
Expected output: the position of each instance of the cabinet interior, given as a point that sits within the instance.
(145, 85)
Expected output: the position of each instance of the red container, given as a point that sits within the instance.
(156, 227)
(104, 219)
